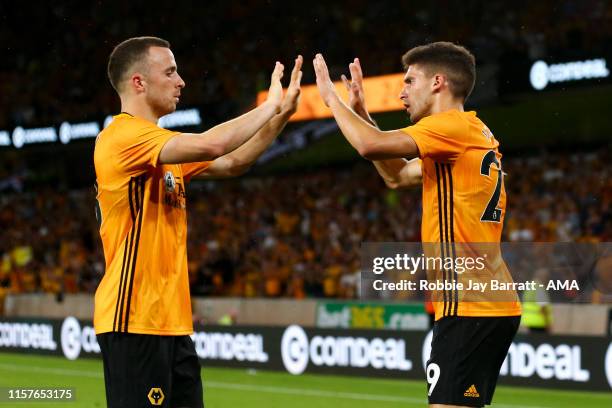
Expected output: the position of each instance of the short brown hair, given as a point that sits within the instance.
(455, 61)
(127, 53)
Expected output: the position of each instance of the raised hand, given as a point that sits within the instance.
(355, 90)
(275, 93)
(354, 86)
(324, 83)
(292, 96)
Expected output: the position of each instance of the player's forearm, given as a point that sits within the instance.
(400, 173)
(390, 170)
(365, 115)
(359, 133)
(248, 153)
(234, 133)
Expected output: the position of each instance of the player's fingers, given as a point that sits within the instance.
(317, 66)
(321, 61)
(321, 69)
(358, 63)
(299, 79)
(297, 66)
(356, 72)
(277, 74)
(346, 82)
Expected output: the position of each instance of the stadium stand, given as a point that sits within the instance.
(296, 235)
(227, 60)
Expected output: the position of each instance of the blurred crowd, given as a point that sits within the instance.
(294, 235)
(226, 50)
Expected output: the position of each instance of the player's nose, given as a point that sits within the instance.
(181, 83)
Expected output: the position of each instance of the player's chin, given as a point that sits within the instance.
(172, 106)
(413, 117)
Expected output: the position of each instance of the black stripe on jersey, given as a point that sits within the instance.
(440, 227)
(140, 184)
(452, 234)
(120, 285)
(127, 254)
(130, 197)
(446, 236)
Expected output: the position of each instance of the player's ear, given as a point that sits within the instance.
(437, 81)
(137, 82)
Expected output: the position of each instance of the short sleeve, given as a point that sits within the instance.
(139, 145)
(193, 169)
(439, 137)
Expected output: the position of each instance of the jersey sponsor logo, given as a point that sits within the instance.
(169, 182)
(175, 193)
(471, 392)
(487, 133)
(156, 396)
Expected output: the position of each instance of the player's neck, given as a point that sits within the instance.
(139, 109)
(442, 104)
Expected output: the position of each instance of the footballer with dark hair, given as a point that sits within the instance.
(454, 156)
(142, 317)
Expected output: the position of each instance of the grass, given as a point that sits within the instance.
(258, 389)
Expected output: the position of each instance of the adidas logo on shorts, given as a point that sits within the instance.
(471, 392)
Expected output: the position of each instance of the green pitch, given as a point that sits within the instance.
(243, 388)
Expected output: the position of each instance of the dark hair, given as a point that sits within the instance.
(127, 53)
(455, 61)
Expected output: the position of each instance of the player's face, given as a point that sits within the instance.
(417, 93)
(164, 84)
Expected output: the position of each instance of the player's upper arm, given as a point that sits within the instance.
(392, 144)
(441, 138)
(190, 147)
(137, 144)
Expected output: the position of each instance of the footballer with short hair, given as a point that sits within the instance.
(455, 158)
(142, 317)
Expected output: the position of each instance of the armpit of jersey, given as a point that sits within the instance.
(193, 169)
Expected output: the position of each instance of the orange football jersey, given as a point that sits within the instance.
(143, 226)
(464, 201)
